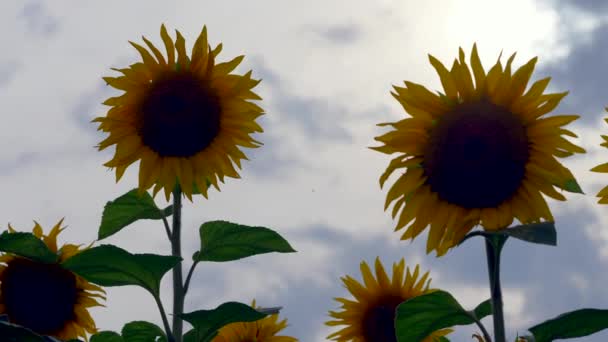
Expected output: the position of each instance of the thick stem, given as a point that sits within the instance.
(176, 250)
(493, 258)
(163, 315)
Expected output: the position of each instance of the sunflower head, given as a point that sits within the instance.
(263, 330)
(47, 298)
(370, 317)
(482, 152)
(182, 117)
(603, 194)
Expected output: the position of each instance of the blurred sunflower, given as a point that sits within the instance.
(183, 117)
(371, 316)
(603, 194)
(263, 330)
(47, 298)
(480, 153)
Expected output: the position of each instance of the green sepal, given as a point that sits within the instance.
(572, 185)
(26, 245)
(206, 323)
(108, 265)
(128, 208)
(578, 323)
(226, 241)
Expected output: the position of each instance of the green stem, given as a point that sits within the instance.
(189, 277)
(493, 257)
(176, 250)
(163, 315)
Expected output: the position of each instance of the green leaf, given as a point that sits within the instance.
(14, 333)
(225, 241)
(542, 233)
(206, 323)
(483, 309)
(106, 336)
(26, 245)
(142, 331)
(127, 209)
(190, 336)
(420, 316)
(572, 186)
(108, 265)
(576, 323)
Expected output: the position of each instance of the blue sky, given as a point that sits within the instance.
(327, 69)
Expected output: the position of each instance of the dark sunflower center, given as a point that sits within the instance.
(379, 320)
(180, 115)
(38, 296)
(476, 155)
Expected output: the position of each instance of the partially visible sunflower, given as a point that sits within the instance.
(47, 298)
(603, 194)
(482, 153)
(263, 330)
(371, 316)
(183, 117)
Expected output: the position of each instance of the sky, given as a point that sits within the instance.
(327, 68)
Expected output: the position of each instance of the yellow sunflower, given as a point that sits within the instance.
(371, 316)
(183, 117)
(480, 153)
(263, 330)
(47, 298)
(603, 194)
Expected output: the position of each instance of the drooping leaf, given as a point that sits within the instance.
(14, 333)
(541, 233)
(420, 316)
(108, 265)
(483, 309)
(226, 241)
(128, 208)
(142, 331)
(26, 245)
(572, 324)
(107, 336)
(206, 323)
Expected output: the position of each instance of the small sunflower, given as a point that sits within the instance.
(183, 117)
(603, 194)
(480, 153)
(47, 298)
(371, 316)
(263, 330)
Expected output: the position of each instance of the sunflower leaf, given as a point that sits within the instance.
(541, 233)
(107, 336)
(225, 241)
(128, 208)
(206, 323)
(14, 333)
(26, 245)
(142, 331)
(572, 324)
(483, 309)
(108, 265)
(420, 316)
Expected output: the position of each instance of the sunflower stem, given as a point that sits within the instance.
(189, 277)
(176, 250)
(163, 315)
(494, 245)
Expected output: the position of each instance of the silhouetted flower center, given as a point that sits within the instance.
(180, 115)
(379, 320)
(38, 296)
(476, 155)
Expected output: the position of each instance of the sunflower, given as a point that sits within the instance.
(183, 117)
(603, 194)
(371, 316)
(263, 330)
(480, 153)
(47, 298)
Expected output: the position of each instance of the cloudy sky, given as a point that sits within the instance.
(327, 69)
